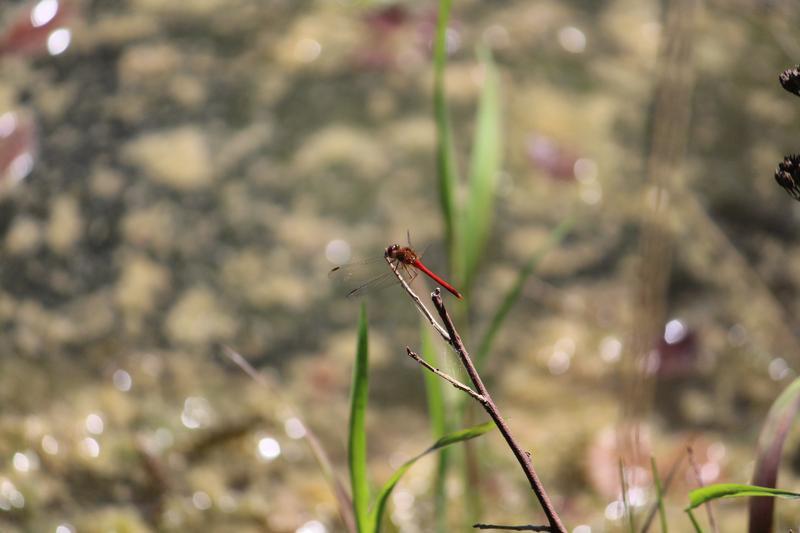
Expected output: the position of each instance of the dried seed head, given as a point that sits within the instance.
(790, 80)
(788, 175)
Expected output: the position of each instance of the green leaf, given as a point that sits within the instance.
(446, 168)
(451, 438)
(437, 412)
(662, 514)
(357, 446)
(734, 490)
(514, 292)
(484, 170)
(460, 436)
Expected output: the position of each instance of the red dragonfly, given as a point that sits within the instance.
(407, 261)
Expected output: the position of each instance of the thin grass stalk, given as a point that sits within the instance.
(662, 514)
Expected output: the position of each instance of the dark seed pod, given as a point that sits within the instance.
(790, 80)
(788, 175)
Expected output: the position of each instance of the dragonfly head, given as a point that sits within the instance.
(391, 251)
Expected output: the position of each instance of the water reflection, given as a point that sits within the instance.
(25, 461)
(43, 12)
(307, 50)
(50, 445)
(94, 424)
(338, 251)
(268, 448)
(615, 510)
(201, 500)
(610, 349)
(675, 331)
(312, 526)
(58, 41)
(572, 39)
(561, 358)
(18, 146)
(294, 428)
(90, 447)
(559, 362)
(122, 380)
(10, 496)
(196, 412)
(778, 369)
(162, 438)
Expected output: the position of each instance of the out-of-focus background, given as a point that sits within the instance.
(179, 176)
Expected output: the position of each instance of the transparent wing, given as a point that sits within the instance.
(358, 268)
(352, 278)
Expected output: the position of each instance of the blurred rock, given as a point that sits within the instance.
(65, 227)
(177, 158)
(197, 318)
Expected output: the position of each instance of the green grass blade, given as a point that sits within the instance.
(514, 292)
(694, 521)
(437, 412)
(484, 170)
(446, 167)
(624, 485)
(662, 514)
(735, 490)
(451, 438)
(433, 384)
(357, 446)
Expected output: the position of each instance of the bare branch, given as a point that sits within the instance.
(453, 381)
(422, 309)
(488, 404)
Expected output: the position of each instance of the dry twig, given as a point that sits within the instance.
(480, 394)
(418, 302)
(453, 381)
(491, 409)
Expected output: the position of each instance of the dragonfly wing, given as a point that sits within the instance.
(350, 275)
(386, 279)
(360, 269)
